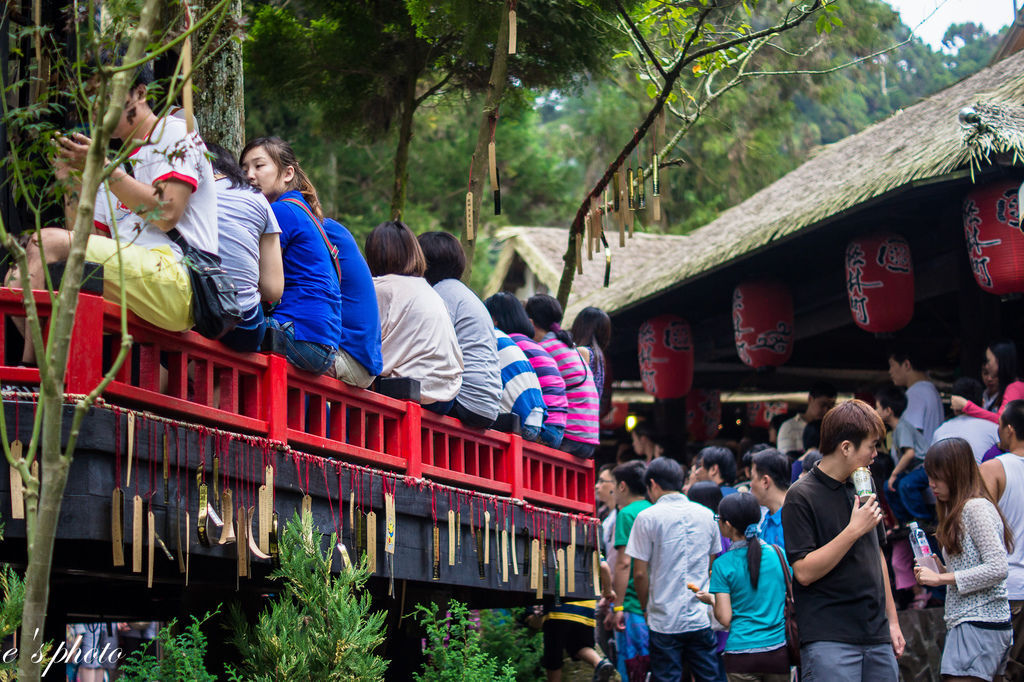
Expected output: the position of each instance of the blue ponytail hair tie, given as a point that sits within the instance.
(752, 531)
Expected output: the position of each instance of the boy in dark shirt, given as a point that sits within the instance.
(849, 631)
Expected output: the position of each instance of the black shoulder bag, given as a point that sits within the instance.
(214, 297)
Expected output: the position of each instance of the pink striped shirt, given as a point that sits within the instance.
(584, 403)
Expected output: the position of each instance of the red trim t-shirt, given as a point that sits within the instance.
(169, 153)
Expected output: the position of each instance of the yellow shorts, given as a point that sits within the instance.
(157, 286)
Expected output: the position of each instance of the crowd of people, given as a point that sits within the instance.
(395, 309)
(701, 550)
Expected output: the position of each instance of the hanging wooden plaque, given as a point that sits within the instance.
(254, 549)
(390, 528)
(512, 540)
(570, 559)
(227, 531)
(137, 516)
(487, 537)
(117, 526)
(596, 571)
(451, 537)
(371, 540)
(560, 567)
(470, 231)
(131, 448)
(151, 542)
(534, 565)
(512, 31)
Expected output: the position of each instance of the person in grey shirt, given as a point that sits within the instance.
(671, 545)
(477, 403)
(249, 245)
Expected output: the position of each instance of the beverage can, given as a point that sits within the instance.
(862, 482)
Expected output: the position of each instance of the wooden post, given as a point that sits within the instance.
(412, 435)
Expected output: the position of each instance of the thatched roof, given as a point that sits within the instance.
(542, 248)
(922, 142)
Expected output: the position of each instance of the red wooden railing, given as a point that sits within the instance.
(262, 394)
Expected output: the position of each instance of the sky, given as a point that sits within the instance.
(992, 14)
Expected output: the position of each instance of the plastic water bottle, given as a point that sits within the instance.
(922, 550)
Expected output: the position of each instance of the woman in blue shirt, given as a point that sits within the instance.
(309, 313)
(748, 593)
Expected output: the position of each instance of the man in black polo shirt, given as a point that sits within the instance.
(849, 631)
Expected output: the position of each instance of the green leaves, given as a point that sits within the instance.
(828, 20)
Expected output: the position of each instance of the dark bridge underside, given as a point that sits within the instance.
(86, 583)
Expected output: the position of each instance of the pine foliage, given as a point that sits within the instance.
(319, 627)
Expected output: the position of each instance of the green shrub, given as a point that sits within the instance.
(181, 659)
(454, 648)
(502, 633)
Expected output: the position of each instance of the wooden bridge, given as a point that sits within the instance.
(440, 509)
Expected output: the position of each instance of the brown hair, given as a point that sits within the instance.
(392, 249)
(951, 461)
(853, 420)
(282, 155)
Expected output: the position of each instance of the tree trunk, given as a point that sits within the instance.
(404, 140)
(492, 101)
(219, 100)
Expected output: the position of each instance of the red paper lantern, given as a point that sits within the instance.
(995, 243)
(760, 414)
(703, 414)
(665, 350)
(762, 321)
(880, 282)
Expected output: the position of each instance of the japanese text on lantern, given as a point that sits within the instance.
(855, 284)
(775, 340)
(975, 246)
(675, 337)
(645, 355)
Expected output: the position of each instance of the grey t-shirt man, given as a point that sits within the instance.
(481, 377)
(243, 216)
(677, 538)
(904, 436)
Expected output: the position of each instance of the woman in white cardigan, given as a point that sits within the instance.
(975, 540)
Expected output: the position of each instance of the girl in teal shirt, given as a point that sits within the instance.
(748, 593)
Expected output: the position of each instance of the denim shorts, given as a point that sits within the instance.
(551, 435)
(306, 355)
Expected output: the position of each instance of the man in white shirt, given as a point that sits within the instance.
(171, 186)
(820, 399)
(924, 404)
(671, 545)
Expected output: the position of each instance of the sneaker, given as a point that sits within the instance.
(603, 671)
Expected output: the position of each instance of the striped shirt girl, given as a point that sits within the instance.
(552, 385)
(580, 391)
(520, 392)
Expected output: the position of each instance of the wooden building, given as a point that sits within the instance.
(907, 175)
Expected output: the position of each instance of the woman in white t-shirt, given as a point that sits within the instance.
(417, 338)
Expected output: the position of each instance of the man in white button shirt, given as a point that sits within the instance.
(671, 545)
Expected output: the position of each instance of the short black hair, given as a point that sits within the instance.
(821, 389)
(892, 397)
(666, 472)
(969, 388)
(1013, 415)
(632, 474)
(775, 465)
(508, 314)
(224, 162)
(723, 457)
(444, 254)
(905, 353)
(705, 493)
